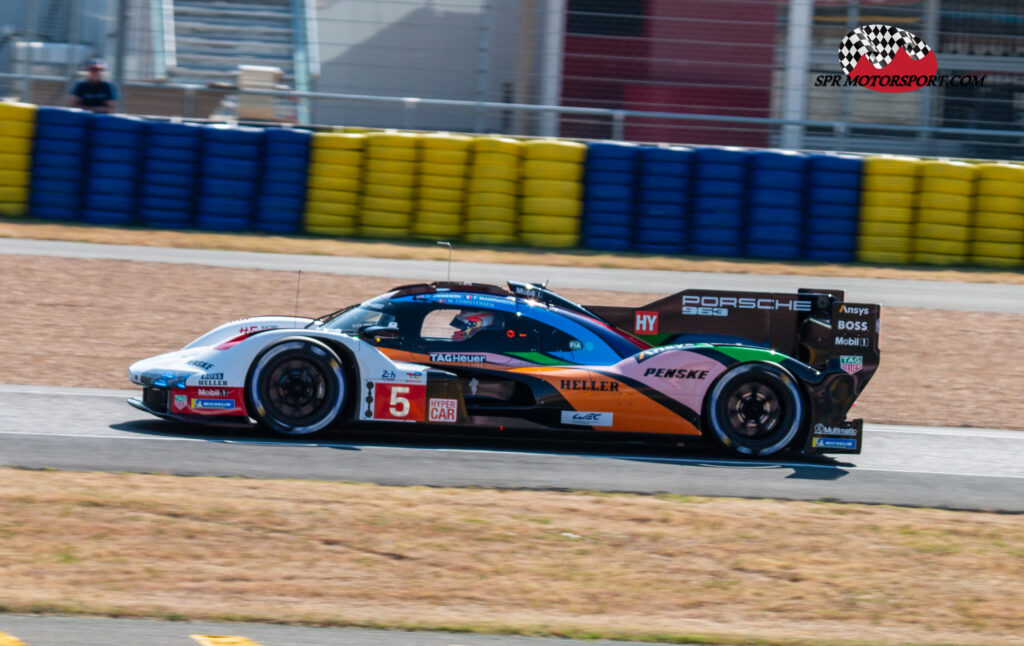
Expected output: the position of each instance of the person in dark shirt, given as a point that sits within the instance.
(94, 94)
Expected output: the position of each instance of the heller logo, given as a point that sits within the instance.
(646, 322)
(889, 59)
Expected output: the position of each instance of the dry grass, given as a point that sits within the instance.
(533, 562)
(427, 250)
(71, 322)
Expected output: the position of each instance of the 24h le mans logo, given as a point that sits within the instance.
(884, 58)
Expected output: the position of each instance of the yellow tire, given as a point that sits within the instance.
(389, 190)
(336, 157)
(442, 181)
(502, 145)
(393, 139)
(10, 111)
(884, 257)
(393, 153)
(341, 231)
(885, 243)
(334, 183)
(391, 166)
(395, 205)
(946, 201)
(13, 209)
(16, 146)
(446, 194)
(896, 183)
(493, 213)
(15, 162)
(490, 238)
(541, 169)
(332, 209)
(337, 197)
(1000, 187)
(886, 229)
(335, 170)
(390, 179)
(445, 141)
(552, 206)
(434, 218)
(900, 214)
(14, 194)
(1013, 236)
(552, 240)
(1001, 172)
(944, 216)
(997, 249)
(338, 141)
(445, 170)
(440, 206)
(549, 224)
(496, 159)
(390, 233)
(942, 232)
(885, 165)
(318, 219)
(880, 198)
(484, 185)
(19, 129)
(955, 247)
(924, 258)
(551, 188)
(375, 218)
(502, 200)
(996, 220)
(491, 227)
(436, 231)
(490, 171)
(433, 156)
(999, 204)
(14, 178)
(1006, 263)
(945, 185)
(948, 170)
(555, 150)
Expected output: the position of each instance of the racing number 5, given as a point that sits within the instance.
(399, 404)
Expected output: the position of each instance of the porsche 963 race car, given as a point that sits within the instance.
(758, 373)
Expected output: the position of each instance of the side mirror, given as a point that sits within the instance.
(372, 333)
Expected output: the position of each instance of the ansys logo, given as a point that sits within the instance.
(884, 58)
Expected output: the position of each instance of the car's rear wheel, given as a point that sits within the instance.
(755, 409)
(297, 387)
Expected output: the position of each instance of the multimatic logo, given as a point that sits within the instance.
(889, 59)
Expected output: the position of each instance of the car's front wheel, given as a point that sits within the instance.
(297, 387)
(755, 409)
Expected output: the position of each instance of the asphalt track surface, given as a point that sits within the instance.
(977, 297)
(95, 430)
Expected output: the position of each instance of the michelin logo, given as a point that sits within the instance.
(834, 443)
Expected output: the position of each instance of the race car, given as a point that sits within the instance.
(757, 373)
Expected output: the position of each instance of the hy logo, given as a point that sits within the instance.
(884, 58)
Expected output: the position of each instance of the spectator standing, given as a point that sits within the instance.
(94, 94)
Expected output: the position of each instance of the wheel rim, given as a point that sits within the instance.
(297, 389)
(754, 410)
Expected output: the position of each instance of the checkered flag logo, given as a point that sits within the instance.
(880, 44)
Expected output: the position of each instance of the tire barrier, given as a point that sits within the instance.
(170, 166)
(942, 227)
(551, 209)
(492, 188)
(661, 217)
(17, 129)
(608, 188)
(998, 235)
(282, 191)
(440, 193)
(389, 185)
(832, 203)
(888, 197)
(112, 160)
(718, 208)
(775, 211)
(334, 184)
(58, 163)
(229, 175)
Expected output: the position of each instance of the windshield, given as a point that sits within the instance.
(352, 320)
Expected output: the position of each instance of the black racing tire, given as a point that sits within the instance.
(755, 409)
(297, 387)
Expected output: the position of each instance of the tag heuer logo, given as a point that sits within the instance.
(851, 363)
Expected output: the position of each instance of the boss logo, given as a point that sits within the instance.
(852, 326)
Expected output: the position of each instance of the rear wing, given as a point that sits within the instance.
(816, 326)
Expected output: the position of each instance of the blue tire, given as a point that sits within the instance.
(663, 183)
(661, 197)
(773, 216)
(723, 250)
(830, 241)
(113, 154)
(718, 187)
(222, 223)
(53, 213)
(602, 150)
(115, 139)
(110, 186)
(765, 234)
(284, 189)
(662, 210)
(165, 219)
(176, 142)
(830, 255)
(825, 211)
(651, 223)
(285, 149)
(282, 227)
(157, 130)
(178, 155)
(157, 203)
(113, 170)
(660, 236)
(222, 150)
(667, 169)
(289, 136)
(224, 207)
(54, 160)
(832, 226)
(774, 251)
(606, 244)
(658, 155)
(836, 163)
(613, 192)
(776, 198)
(608, 177)
(608, 231)
(777, 179)
(833, 195)
(285, 163)
(61, 133)
(47, 116)
(56, 173)
(277, 203)
(727, 172)
(606, 219)
(610, 165)
(234, 136)
(663, 249)
(712, 219)
(231, 188)
(55, 200)
(168, 179)
(721, 156)
(618, 207)
(164, 166)
(167, 192)
(715, 236)
(42, 188)
(234, 169)
(101, 202)
(717, 204)
(834, 179)
(113, 218)
(780, 161)
(69, 149)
